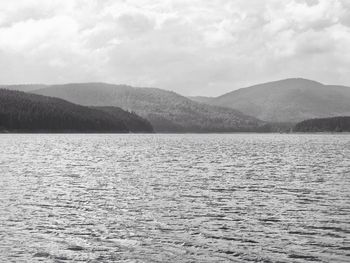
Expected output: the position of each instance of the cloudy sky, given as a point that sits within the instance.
(194, 47)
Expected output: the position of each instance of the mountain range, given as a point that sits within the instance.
(167, 111)
(272, 106)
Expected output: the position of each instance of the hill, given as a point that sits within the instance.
(290, 100)
(166, 110)
(335, 124)
(24, 112)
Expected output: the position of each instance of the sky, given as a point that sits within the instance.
(193, 47)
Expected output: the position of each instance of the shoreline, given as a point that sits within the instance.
(170, 133)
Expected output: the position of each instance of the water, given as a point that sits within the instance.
(175, 198)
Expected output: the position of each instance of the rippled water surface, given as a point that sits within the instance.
(175, 198)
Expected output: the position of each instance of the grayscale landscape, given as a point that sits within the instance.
(144, 131)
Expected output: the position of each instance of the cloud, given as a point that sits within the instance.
(189, 46)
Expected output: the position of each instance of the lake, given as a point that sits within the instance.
(175, 198)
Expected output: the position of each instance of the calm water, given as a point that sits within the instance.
(175, 198)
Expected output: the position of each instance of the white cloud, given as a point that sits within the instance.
(190, 46)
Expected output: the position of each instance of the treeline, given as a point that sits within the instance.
(334, 124)
(24, 112)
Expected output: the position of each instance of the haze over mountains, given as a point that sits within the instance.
(23, 87)
(166, 110)
(289, 100)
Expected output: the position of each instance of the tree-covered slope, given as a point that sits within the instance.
(166, 110)
(335, 124)
(133, 122)
(24, 112)
(290, 100)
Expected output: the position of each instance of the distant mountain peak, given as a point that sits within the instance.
(296, 80)
(288, 83)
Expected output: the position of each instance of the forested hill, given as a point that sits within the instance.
(167, 111)
(24, 112)
(289, 100)
(335, 124)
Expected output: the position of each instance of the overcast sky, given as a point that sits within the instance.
(194, 47)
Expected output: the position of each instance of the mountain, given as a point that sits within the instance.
(24, 112)
(166, 110)
(290, 100)
(335, 124)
